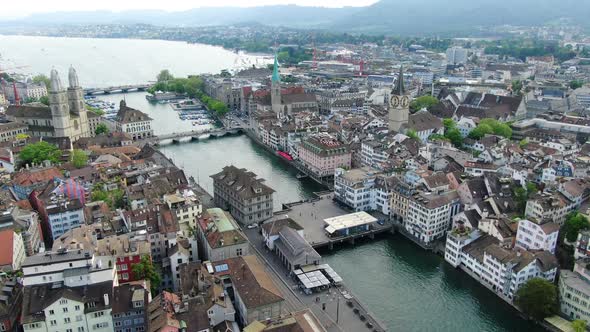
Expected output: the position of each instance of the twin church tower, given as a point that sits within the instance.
(68, 112)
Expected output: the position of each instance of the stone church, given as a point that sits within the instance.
(66, 115)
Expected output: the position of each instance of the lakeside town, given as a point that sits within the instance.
(477, 156)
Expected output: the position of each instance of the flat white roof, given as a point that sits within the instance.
(349, 220)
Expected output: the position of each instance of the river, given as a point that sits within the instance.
(407, 288)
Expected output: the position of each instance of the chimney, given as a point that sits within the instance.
(106, 299)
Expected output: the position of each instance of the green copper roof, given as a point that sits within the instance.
(399, 89)
(275, 71)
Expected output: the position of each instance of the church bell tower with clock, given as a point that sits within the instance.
(399, 104)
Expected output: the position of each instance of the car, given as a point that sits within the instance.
(251, 226)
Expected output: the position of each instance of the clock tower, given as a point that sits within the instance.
(399, 104)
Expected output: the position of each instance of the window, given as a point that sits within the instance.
(77, 307)
(63, 301)
(239, 252)
(51, 312)
(98, 314)
(53, 322)
(79, 318)
(69, 330)
(65, 309)
(81, 329)
(67, 320)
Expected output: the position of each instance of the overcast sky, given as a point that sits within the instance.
(19, 8)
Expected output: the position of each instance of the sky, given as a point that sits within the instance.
(16, 8)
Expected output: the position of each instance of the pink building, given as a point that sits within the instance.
(323, 153)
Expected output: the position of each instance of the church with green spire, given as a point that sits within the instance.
(275, 88)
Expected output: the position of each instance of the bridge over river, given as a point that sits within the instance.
(194, 135)
(117, 89)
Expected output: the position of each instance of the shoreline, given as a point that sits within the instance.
(240, 51)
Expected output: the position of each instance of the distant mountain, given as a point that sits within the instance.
(399, 17)
(405, 17)
(284, 15)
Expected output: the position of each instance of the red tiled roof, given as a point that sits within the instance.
(6, 246)
(27, 178)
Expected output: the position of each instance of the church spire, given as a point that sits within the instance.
(73, 78)
(399, 88)
(275, 71)
(55, 81)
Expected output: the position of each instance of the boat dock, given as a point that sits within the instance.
(311, 215)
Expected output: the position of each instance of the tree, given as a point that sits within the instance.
(537, 298)
(44, 100)
(576, 84)
(95, 110)
(579, 325)
(42, 79)
(480, 131)
(454, 135)
(516, 87)
(412, 134)
(145, 270)
(574, 223)
(101, 128)
(225, 73)
(164, 76)
(521, 196)
(449, 124)
(79, 158)
(39, 152)
(423, 102)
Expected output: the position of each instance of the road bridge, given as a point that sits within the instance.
(117, 89)
(193, 135)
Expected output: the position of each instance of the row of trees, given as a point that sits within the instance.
(522, 48)
(192, 86)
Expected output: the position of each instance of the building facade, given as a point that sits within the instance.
(245, 196)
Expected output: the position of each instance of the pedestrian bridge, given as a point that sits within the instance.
(194, 135)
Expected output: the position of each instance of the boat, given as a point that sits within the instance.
(301, 176)
(285, 155)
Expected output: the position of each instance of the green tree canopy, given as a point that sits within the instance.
(490, 126)
(576, 84)
(79, 158)
(579, 325)
(39, 152)
(412, 134)
(164, 76)
(454, 135)
(574, 223)
(423, 102)
(42, 79)
(101, 128)
(146, 270)
(517, 87)
(44, 100)
(537, 298)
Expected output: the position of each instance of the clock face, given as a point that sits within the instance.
(394, 101)
(405, 102)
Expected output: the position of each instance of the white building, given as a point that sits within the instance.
(429, 215)
(63, 216)
(355, 188)
(134, 123)
(546, 206)
(456, 56)
(80, 309)
(65, 268)
(500, 269)
(574, 291)
(466, 125)
(534, 236)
